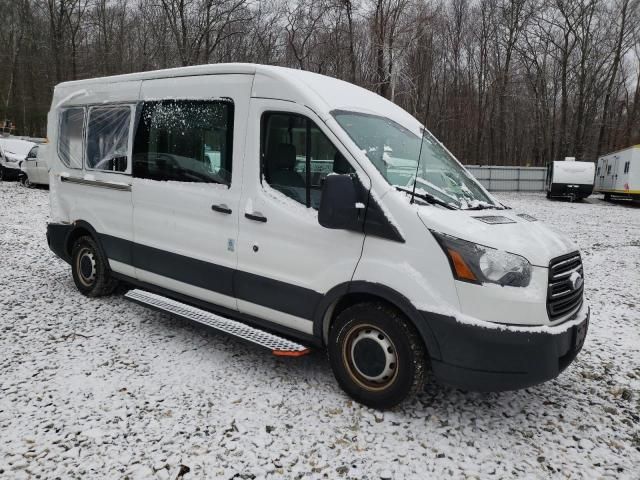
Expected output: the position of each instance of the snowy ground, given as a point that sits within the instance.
(104, 388)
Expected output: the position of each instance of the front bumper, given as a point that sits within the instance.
(495, 358)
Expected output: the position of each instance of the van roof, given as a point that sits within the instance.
(319, 92)
(209, 69)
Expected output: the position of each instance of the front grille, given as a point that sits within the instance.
(564, 296)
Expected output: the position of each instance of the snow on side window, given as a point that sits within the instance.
(185, 141)
(108, 138)
(70, 137)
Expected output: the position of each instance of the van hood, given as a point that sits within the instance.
(508, 230)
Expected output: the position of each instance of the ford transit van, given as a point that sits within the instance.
(298, 211)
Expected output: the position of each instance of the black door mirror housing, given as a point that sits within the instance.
(338, 209)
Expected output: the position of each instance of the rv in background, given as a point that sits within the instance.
(618, 174)
(570, 179)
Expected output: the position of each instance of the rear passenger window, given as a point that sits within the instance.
(108, 138)
(185, 141)
(297, 157)
(70, 137)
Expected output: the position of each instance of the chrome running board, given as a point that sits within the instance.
(278, 345)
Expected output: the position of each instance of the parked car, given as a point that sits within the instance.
(35, 169)
(12, 153)
(618, 174)
(295, 210)
(570, 179)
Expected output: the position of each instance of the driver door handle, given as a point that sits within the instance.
(256, 217)
(222, 208)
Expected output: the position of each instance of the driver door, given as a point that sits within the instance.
(286, 260)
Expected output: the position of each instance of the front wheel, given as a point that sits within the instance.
(376, 355)
(90, 269)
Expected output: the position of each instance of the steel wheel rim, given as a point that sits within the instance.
(372, 378)
(86, 267)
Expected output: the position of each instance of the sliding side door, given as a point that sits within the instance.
(187, 183)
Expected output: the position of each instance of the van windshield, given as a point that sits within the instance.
(394, 150)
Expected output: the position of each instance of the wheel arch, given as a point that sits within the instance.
(349, 293)
(81, 228)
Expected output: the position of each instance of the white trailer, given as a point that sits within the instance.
(618, 174)
(570, 179)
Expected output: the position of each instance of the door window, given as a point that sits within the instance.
(297, 157)
(70, 137)
(185, 141)
(108, 138)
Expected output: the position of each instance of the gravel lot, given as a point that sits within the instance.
(107, 389)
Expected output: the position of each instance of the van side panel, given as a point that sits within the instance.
(100, 198)
(181, 242)
(417, 269)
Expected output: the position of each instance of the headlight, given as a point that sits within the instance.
(475, 263)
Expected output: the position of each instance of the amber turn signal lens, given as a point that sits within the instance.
(462, 269)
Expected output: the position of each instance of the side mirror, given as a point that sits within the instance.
(338, 205)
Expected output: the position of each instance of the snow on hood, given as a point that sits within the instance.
(531, 239)
(16, 148)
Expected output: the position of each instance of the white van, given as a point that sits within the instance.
(570, 179)
(238, 195)
(35, 169)
(618, 174)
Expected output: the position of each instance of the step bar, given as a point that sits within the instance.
(279, 346)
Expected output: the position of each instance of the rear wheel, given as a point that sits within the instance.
(376, 355)
(1, 173)
(90, 268)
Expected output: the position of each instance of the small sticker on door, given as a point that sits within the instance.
(231, 245)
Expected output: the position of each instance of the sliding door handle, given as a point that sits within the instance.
(222, 208)
(256, 217)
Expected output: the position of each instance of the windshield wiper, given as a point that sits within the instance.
(427, 197)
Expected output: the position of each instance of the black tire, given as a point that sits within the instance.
(392, 361)
(1, 173)
(90, 269)
(607, 197)
(549, 195)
